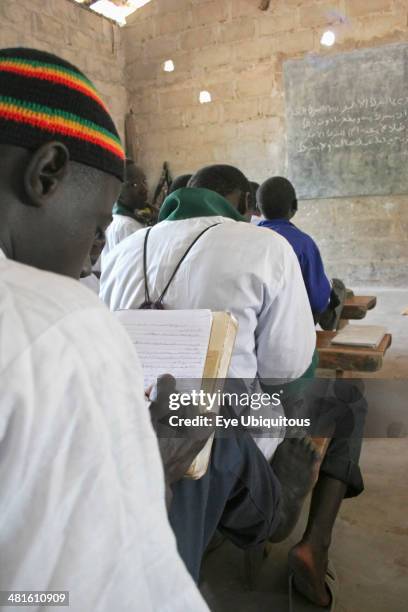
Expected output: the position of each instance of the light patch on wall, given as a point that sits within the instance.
(328, 38)
(205, 97)
(168, 66)
(113, 11)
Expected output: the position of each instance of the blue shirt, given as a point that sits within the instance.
(317, 284)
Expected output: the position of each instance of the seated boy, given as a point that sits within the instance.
(277, 200)
(131, 212)
(345, 409)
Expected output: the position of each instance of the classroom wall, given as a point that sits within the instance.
(236, 51)
(84, 38)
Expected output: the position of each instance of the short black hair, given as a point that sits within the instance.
(221, 178)
(276, 198)
(130, 163)
(179, 182)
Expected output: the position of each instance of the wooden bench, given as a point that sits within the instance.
(356, 307)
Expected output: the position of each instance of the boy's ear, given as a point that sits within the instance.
(244, 203)
(45, 171)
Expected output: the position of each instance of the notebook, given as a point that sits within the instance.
(189, 345)
(169, 341)
(360, 335)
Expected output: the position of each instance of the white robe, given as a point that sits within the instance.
(82, 494)
(92, 282)
(120, 228)
(249, 271)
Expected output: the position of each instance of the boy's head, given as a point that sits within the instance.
(276, 198)
(134, 190)
(61, 161)
(180, 182)
(227, 181)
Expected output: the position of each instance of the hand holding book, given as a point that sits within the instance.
(179, 446)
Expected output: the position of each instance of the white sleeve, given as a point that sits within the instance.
(125, 229)
(285, 335)
(81, 442)
(120, 228)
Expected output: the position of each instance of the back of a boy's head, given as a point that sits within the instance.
(276, 198)
(222, 178)
(180, 182)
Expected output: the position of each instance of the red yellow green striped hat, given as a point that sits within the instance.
(44, 98)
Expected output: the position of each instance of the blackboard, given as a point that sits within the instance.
(347, 123)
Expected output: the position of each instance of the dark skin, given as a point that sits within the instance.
(177, 448)
(94, 254)
(52, 209)
(309, 558)
(239, 200)
(134, 190)
(292, 212)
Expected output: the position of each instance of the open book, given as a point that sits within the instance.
(360, 335)
(191, 345)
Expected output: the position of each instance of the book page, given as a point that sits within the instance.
(169, 341)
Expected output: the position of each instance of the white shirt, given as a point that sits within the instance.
(120, 228)
(92, 282)
(82, 493)
(236, 266)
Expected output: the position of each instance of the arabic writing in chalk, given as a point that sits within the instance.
(362, 122)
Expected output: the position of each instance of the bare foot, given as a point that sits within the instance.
(309, 566)
(295, 464)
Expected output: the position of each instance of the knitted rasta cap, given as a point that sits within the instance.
(44, 98)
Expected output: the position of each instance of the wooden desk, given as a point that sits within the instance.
(356, 306)
(346, 358)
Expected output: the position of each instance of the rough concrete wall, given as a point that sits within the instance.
(77, 35)
(236, 51)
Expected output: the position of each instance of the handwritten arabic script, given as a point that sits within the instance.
(362, 122)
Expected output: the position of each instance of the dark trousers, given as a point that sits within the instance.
(239, 495)
(337, 409)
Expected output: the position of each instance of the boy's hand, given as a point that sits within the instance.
(178, 445)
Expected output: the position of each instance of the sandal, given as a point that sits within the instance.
(331, 584)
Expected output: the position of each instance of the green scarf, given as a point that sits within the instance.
(119, 209)
(142, 215)
(190, 202)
